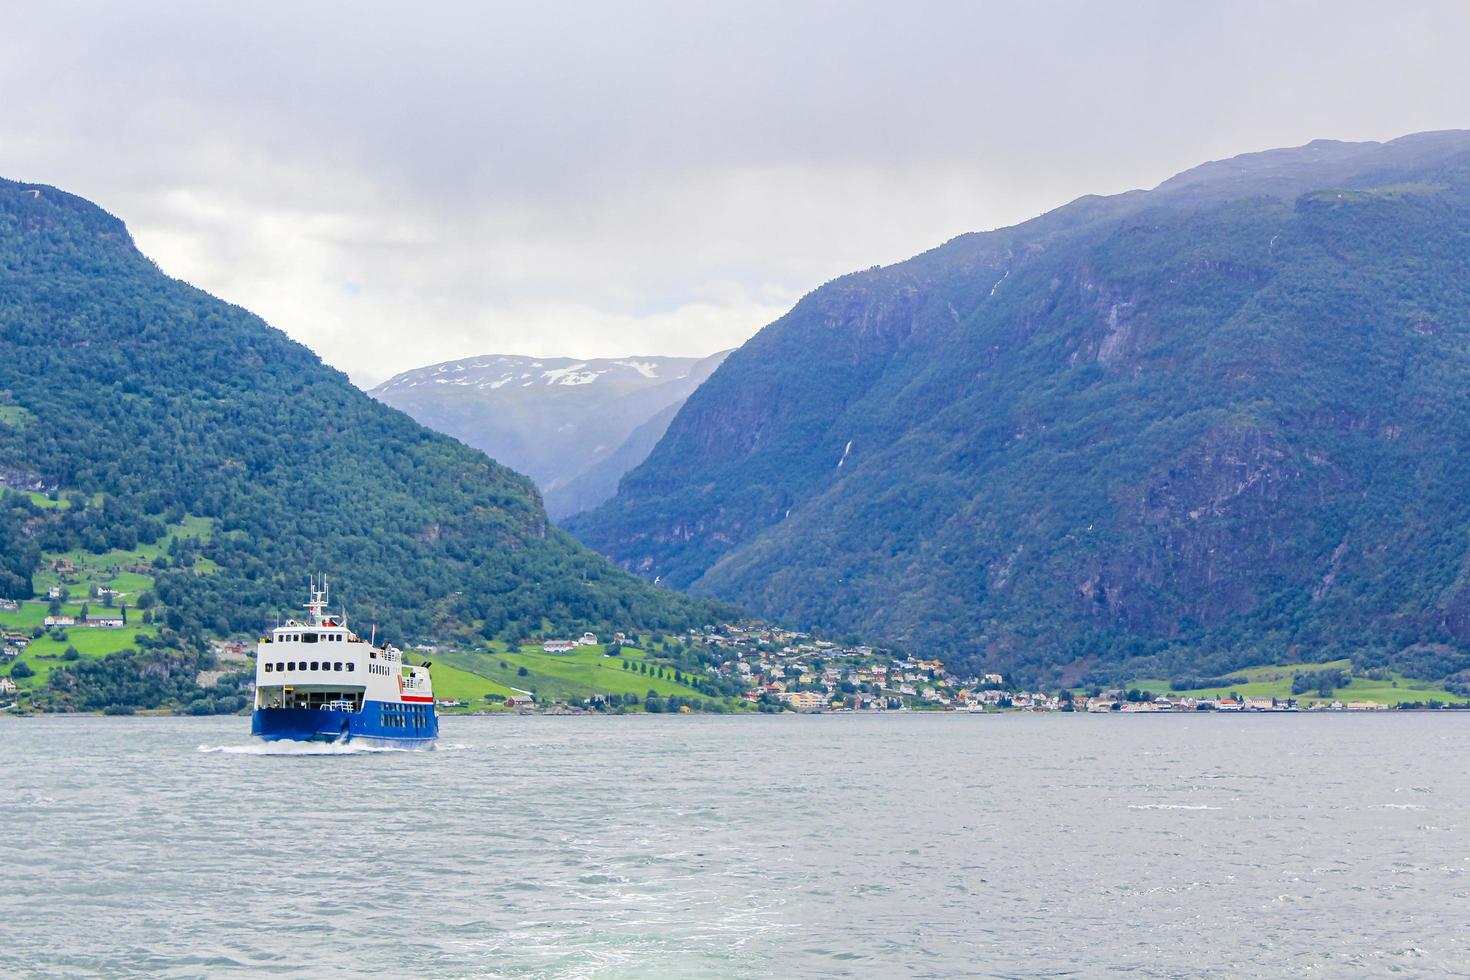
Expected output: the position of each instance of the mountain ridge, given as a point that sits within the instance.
(143, 396)
(865, 462)
(558, 419)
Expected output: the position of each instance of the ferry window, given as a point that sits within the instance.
(267, 668)
(315, 665)
(349, 667)
(336, 665)
(291, 666)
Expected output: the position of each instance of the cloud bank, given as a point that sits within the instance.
(398, 184)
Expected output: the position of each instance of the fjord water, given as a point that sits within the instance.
(751, 846)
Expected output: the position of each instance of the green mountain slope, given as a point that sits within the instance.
(1223, 422)
(151, 400)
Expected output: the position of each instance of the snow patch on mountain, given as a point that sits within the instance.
(573, 375)
(646, 368)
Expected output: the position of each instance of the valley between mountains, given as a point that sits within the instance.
(1208, 436)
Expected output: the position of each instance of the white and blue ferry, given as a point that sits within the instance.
(318, 681)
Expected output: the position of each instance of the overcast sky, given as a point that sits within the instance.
(398, 184)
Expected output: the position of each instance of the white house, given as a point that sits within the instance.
(7, 686)
(559, 646)
(587, 640)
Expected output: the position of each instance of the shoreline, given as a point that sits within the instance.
(1004, 713)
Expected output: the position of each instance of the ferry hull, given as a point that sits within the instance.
(324, 725)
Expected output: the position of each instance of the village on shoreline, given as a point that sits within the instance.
(740, 667)
(788, 670)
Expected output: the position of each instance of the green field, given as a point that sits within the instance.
(1274, 681)
(451, 682)
(106, 569)
(44, 655)
(552, 676)
(33, 614)
(15, 417)
(41, 500)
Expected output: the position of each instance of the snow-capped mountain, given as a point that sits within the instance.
(552, 418)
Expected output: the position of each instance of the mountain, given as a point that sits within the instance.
(1221, 422)
(557, 419)
(146, 401)
(600, 480)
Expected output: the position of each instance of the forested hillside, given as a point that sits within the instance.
(143, 401)
(1223, 422)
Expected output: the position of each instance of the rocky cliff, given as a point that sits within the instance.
(1219, 422)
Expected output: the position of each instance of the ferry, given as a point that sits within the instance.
(317, 681)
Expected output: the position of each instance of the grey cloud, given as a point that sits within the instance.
(396, 183)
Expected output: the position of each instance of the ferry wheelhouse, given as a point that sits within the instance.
(316, 680)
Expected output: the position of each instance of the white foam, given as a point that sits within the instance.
(287, 747)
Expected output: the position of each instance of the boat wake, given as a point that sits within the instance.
(290, 748)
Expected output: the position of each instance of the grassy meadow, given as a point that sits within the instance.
(107, 569)
(44, 654)
(1274, 681)
(580, 673)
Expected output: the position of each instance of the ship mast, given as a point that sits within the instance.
(318, 604)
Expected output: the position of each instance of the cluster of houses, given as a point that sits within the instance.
(567, 646)
(1117, 701)
(794, 670)
(12, 645)
(107, 621)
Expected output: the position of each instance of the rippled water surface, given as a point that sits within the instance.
(754, 846)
